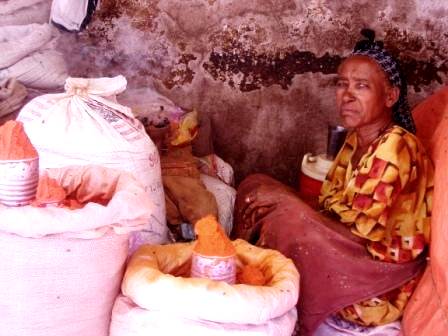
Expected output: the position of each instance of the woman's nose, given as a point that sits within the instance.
(347, 95)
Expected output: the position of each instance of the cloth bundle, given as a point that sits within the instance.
(187, 198)
(181, 137)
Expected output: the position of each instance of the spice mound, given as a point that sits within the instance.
(49, 191)
(251, 275)
(14, 143)
(212, 240)
(214, 256)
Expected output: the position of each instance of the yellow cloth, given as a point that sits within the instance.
(386, 199)
(186, 130)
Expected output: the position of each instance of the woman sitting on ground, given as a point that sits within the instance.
(360, 255)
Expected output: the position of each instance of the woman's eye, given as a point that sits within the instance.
(341, 84)
(362, 86)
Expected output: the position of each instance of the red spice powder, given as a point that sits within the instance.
(49, 190)
(251, 275)
(212, 240)
(14, 143)
(73, 204)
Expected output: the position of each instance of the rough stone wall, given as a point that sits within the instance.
(261, 70)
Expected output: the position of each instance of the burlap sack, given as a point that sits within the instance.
(12, 96)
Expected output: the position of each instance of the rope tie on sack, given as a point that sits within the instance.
(78, 86)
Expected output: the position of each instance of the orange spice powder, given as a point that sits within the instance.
(49, 190)
(212, 240)
(14, 143)
(251, 275)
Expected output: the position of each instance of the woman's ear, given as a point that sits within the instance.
(392, 95)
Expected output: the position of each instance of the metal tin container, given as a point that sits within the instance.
(18, 181)
(216, 268)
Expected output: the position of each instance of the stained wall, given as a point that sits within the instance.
(263, 70)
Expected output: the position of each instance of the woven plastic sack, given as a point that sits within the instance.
(86, 125)
(202, 306)
(131, 320)
(62, 269)
(426, 312)
(23, 12)
(225, 198)
(12, 96)
(213, 165)
(44, 69)
(17, 42)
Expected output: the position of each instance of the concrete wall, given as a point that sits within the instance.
(261, 70)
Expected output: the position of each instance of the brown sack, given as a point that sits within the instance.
(426, 313)
(12, 95)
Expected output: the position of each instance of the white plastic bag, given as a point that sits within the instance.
(335, 326)
(68, 13)
(225, 198)
(86, 125)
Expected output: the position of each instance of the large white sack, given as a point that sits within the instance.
(16, 42)
(44, 69)
(65, 281)
(157, 273)
(131, 320)
(85, 125)
(23, 12)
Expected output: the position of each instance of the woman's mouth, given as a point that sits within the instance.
(347, 112)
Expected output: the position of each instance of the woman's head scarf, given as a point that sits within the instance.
(401, 113)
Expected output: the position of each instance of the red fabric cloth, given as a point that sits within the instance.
(336, 269)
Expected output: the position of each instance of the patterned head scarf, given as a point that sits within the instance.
(401, 113)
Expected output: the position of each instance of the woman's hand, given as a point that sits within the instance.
(263, 200)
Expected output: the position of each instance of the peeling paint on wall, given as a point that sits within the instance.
(258, 70)
(181, 74)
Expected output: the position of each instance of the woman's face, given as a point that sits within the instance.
(363, 94)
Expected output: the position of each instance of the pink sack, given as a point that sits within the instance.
(426, 312)
(62, 269)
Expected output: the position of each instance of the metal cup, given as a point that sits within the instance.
(18, 181)
(335, 140)
(214, 268)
